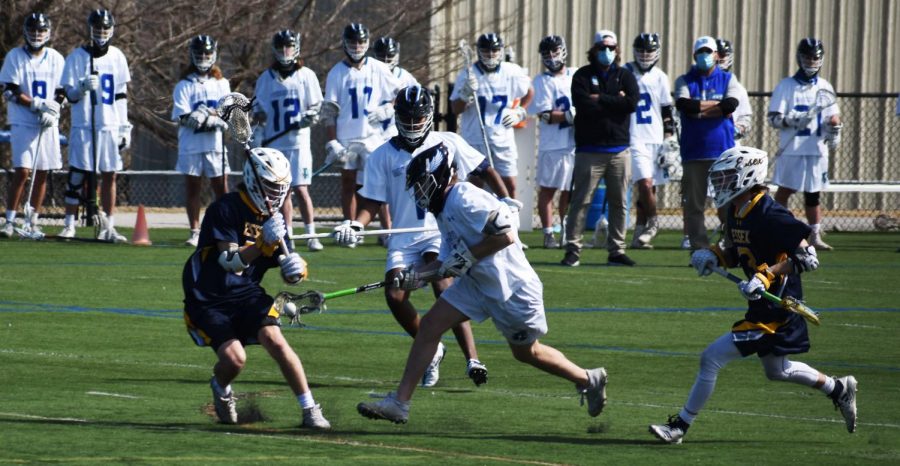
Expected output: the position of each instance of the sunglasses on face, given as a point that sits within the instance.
(606, 47)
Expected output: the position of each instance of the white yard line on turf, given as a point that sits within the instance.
(114, 395)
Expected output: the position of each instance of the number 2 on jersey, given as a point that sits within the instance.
(291, 108)
(642, 113)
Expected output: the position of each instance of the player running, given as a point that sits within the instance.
(479, 247)
(31, 77)
(225, 307)
(288, 102)
(758, 232)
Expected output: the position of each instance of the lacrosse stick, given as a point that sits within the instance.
(32, 233)
(389, 231)
(294, 126)
(466, 53)
(354, 150)
(235, 109)
(824, 99)
(787, 303)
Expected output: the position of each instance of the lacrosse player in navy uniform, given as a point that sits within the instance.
(492, 278)
(758, 232)
(225, 307)
(201, 147)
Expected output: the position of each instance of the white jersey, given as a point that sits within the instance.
(357, 92)
(189, 93)
(553, 92)
(743, 114)
(496, 92)
(655, 93)
(793, 94)
(465, 214)
(388, 128)
(112, 69)
(283, 101)
(385, 180)
(37, 77)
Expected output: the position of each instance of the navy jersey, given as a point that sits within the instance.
(768, 233)
(233, 219)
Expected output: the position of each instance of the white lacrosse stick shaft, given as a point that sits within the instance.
(467, 61)
(369, 232)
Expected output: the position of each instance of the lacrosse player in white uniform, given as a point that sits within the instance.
(492, 278)
(556, 147)
(743, 115)
(495, 84)
(31, 78)
(360, 92)
(387, 50)
(201, 149)
(654, 148)
(385, 178)
(96, 78)
(288, 102)
(803, 165)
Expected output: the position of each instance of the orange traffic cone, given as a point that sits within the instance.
(141, 235)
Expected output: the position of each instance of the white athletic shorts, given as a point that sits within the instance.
(301, 165)
(24, 140)
(643, 163)
(208, 164)
(80, 155)
(802, 173)
(554, 169)
(402, 253)
(520, 319)
(358, 163)
(506, 159)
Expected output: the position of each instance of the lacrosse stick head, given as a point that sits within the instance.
(824, 99)
(796, 306)
(235, 109)
(294, 305)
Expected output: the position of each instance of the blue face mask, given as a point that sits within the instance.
(704, 61)
(606, 57)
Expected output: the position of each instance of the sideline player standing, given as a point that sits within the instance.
(743, 114)
(288, 101)
(556, 148)
(652, 135)
(201, 149)
(31, 76)
(224, 305)
(492, 279)
(95, 78)
(803, 166)
(758, 232)
(387, 50)
(384, 183)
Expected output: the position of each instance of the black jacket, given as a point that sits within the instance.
(605, 121)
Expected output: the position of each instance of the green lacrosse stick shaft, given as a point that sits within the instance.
(358, 289)
(736, 279)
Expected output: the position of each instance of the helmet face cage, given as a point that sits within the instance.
(735, 171)
(490, 50)
(646, 50)
(356, 41)
(102, 25)
(810, 56)
(428, 174)
(37, 30)
(414, 115)
(286, 47)
(553, 52)
(274, 182)
(387, 50)
(203, 51)
(726, 54)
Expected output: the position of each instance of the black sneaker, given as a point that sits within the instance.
(571, 260)
(620, 259)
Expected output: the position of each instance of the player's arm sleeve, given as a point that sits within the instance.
(375, 178)
(181, 104)
(522, 83)
(785, 231)
(8, 73)
(219, 220)
(542, 101)
(332, 87)
(665, 92)
(68, 80)
(457, 85)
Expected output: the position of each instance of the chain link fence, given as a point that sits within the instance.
(865, 171)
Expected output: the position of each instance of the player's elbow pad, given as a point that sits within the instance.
(499, 223)
(689, 106)
(729, 105)
(231, 261)
(776, 120)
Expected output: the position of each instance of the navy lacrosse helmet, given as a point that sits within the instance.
(356, 41)
(37, 30)
(387, 50)
(646, 50)
(428, 175)
(490, 50)
(726, 54)
(286, 47)
(414, 116)
(553, 52)
(102, 25)
(203, 50)
(810, 56)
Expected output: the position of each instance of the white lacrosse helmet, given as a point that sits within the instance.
(274, 182)
(737, 170)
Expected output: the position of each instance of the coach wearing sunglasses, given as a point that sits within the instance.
(604, 95)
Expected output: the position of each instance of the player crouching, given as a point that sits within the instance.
(491, 280)
(224, 306)
(758, 231)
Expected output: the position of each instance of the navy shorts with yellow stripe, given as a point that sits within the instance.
(214, 324)
(778, 338)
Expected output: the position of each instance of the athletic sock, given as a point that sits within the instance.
(837, 391)
(224, 392)
(815, 228)
(110, 222)
(306, 400)
(548, 231)
(10, 216)
(828, 386)
(70, 220)
(310, 228)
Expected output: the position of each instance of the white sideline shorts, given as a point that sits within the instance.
(506, 159)
(554, 169)
(643, 163)
(802, 173)
(24, 140)
(301, 165)
(358, 163)
(520, 319)
(403, 253)
(80, 152)
(208, 164)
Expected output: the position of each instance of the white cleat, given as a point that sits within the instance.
(111, 235)
(7, 230)
(314, 244)
(226, 408)
(477, 371)
(433, 372)
(31, 232)
(67, 232)
(815, 239)
(671, 432)
(388, 408)
(595, 392)
(686, 243)
(846, 402)
(313, 419)
(194, 239)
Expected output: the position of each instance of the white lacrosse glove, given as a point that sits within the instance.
(274, 229)
(45, 106)
(48, 120)
(197, 118)
(381, 114)
(458, 263)
(570, 115)
(309, 117)
(409, 279)
(345, 234)
(215, 123)
(513, 116)
(293, 268)
(514, 205)
(805, 259)
(671, 144)
(833, 135)
(752, 289)
(797, 119)
(125, 136)
(469, 87)
(336, 152)
(89, 83)
(703, 260)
